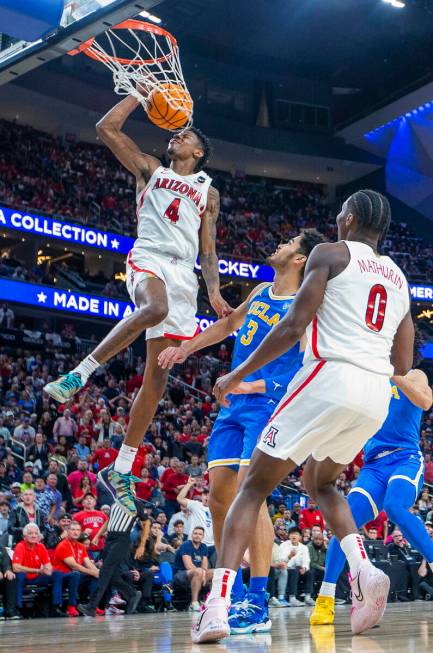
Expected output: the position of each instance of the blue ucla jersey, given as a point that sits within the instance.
(264, 311)
(400, 430)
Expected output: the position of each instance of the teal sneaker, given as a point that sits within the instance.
(121, 487)
(252, 618)
(65, 387)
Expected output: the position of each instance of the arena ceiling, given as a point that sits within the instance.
(367, 50)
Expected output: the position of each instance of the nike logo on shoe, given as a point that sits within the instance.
(358, 596)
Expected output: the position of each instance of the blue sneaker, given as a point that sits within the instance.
(253, 618)
(238, 605)
(121, 487)
(65, 387)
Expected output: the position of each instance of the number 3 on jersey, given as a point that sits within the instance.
(248, 336)
(375, 313)
(172, 212)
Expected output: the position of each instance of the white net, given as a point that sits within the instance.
(146, 57)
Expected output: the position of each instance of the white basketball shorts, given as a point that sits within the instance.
(330, 410)
(181, 286)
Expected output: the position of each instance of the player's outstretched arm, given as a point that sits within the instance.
(289, 330)
(217, 332)
(208, 255)
(109, 130)
(416, 388)
(402, 348)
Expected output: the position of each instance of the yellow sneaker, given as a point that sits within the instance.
(323, 612)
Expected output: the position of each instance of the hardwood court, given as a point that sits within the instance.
(407, 628)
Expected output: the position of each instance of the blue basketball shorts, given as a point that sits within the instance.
(237, 429)
(377, 474)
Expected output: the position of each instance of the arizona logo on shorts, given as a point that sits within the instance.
(269, 437)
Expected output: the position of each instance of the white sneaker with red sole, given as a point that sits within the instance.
(370, 589)
(213, 624)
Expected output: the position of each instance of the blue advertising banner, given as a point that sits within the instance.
(93, 305)
(88, 237)
(72, 302)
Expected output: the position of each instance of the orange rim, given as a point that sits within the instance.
(138, 25)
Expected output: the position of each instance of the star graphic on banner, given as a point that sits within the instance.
(42, 297)
(115, 243)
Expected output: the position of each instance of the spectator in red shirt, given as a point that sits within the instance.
(311, 516)
(84, 489)
(75, 478)
(428, 473)
(105, 455)
(91, 522)
(172, 485)
(72, 567)
(147, 485)
(380, 524)
(171, 469)
(31, 561)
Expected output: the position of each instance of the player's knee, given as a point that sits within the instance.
(152, 314)
(217, 505)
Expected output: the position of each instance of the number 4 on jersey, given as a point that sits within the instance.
(172, 212)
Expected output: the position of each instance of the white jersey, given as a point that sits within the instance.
(169, 214)
(200, 516)
(360, 313)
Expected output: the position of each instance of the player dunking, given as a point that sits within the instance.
(356, 306)
(391, 478)
(237, 427)
(177, 210)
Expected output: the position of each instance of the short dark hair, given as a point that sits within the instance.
(309, 239)
(89, 494)
(371, 209)
(205, 491)
(177, 522)
(294, 529)
(198, 528)
(206, 145)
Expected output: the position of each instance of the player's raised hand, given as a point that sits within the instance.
(224, 386)
(171, 356)
(219, 305)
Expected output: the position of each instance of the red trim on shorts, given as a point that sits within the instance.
(174, 336)
(136, 268)
(224, 583)
(298, 390)
(314, 338)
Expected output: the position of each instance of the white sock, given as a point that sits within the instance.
(222, 583)
(87, 367)
(353, 548)
(327, 589)
(125, 459)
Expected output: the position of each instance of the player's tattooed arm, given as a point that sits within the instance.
(109, 130)
(208, 255)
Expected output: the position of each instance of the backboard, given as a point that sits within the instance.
(81, 19)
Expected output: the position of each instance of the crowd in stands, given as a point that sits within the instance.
(83, 182)
(54, 514)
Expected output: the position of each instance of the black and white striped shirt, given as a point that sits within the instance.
(121, 521)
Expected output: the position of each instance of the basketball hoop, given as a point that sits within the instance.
(142, 55)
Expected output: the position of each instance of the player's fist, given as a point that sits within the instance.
(171, 356)
(219, 304)
(224, 386)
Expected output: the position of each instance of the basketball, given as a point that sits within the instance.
(169, 106)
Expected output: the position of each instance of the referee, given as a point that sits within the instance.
(114, 555)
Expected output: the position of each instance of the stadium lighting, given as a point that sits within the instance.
(152, 17)
(397, 4)
(410, 114)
